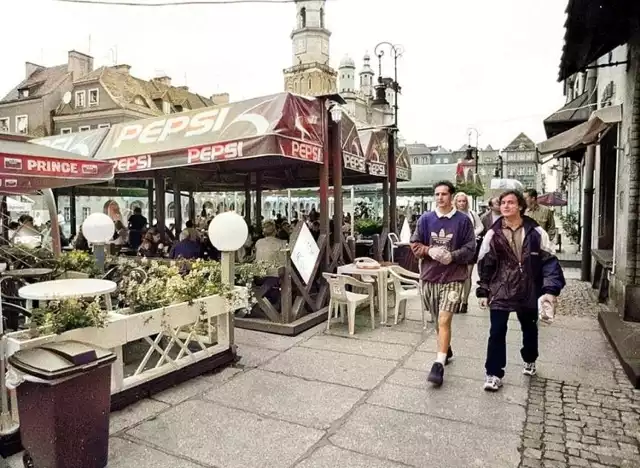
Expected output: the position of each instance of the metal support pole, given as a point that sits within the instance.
(393, 184)
(336, 155)
(73, 216)
(587, 229)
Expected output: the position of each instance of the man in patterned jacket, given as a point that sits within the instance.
(445, 241)
(517, 267)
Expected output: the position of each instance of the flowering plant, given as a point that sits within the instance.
(69, 314)
(80, 261)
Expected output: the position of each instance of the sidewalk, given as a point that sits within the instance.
(326, 400)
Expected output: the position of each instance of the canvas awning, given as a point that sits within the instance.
(82, 143)
(375, 143)
(580, 136)
(27, 168)
(284, 125)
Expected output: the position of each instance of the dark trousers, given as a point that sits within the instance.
(497, 347)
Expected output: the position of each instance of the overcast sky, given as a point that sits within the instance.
(490, 64)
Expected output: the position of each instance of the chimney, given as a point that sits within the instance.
(123, 68)
(31, 68)
(79, 64)
(183, 88)
(220, 99)
(165, 80)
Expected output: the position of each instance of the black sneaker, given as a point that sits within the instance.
(436, 376)
(463, 309)
(449, 356)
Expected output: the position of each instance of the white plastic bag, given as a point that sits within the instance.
(546, 310)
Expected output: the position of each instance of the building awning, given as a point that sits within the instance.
(573, 113)
(580, 136)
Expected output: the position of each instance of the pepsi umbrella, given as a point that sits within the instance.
(552, 199)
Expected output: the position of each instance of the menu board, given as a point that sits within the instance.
(305, 254)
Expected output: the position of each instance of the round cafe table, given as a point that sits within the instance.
(28, 272)
(68, 289)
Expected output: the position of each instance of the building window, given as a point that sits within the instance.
(438, 161)
(81, 97)
(94, 97)
(65, 131)
(322, 17)
(86, 211)
(166, 107)
(309, 84)
(104, 125)
(303, 17)
(5, 124)
(171, 210)
(22, 124)
(66, 211)
(84, 128)
(530, 170)
(521, 171)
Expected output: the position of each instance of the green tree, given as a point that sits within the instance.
(473, 189)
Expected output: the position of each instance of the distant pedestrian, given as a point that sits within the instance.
(445, 241)
(516, 266)
(540, 214)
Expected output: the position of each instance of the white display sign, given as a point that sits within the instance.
(305, 253)
(405, 233)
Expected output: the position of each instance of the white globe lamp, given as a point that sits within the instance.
(98, 229)
(228, 231)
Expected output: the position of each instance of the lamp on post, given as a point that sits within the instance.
(98, 228)
(228, 232)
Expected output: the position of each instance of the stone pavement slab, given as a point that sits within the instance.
(126, 454)
(330, 456)
(135, 414)
(266, 340)
(448, 404)
(310, 403)
(196, 386)
(327, 366)
(426, 441)
(226, 438)
(253, 356)
(458, 387)
(380, 334)
(361, 347)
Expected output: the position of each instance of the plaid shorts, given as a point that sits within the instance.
(441, 297)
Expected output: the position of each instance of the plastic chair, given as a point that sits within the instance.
(393, 241)
(426, 318)
(339, 297)
(401, 278)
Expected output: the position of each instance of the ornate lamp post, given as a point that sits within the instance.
(470, 157)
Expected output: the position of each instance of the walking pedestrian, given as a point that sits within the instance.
(492, 215)
(517, 267)
(540, 214)
(461, 202)
(445, 241)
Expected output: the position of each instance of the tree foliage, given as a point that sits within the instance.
(473, 189)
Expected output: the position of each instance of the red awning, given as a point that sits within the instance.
(27, 168)
(552, 199)
(375, 143)
(353, 155)
(283, 124)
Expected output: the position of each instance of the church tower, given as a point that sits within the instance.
(310, 73)
(366, 77)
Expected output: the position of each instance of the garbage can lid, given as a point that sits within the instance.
(59, 360)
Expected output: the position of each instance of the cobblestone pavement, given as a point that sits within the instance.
(578, 298)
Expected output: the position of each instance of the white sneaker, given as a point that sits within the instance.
(492, 383)
(529, 369)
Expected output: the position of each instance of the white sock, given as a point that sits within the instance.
(441, 358)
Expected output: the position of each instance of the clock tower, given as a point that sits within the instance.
(310, 73)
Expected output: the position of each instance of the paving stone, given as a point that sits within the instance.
(532, 453)
(272, 341)
(438, 402)
(228, 438)
(553, 455)
(418, 440)
(252, 356)
(333, 457)
(380, 334)
(312, 404)
(327, 366)
(460, 386)
(361, 347)
(134, 414)
(196, 386)
(126, 454)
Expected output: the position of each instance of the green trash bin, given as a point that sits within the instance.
(63, 404)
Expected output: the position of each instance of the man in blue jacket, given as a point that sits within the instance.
(517, 266)
(445, 240)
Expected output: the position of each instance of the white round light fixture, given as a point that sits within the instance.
(98, 228)
(228, 231)
(336, 113)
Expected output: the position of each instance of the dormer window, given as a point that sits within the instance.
(81, 99)
(94, 97)
(23, 93)
(140, 101)
(166, 107)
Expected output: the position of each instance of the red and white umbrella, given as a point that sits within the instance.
(26, 168)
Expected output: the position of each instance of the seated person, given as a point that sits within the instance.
(148, 248)
(188, 247)
(270, 249)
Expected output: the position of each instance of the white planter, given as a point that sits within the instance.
(177, 323)
(73, 275)
(571, 249)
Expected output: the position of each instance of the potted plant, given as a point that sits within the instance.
(368, 227)
(571, 229)
(78, 264)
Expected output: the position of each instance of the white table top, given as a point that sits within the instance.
(67, 289)
(352, 269)
(28, 272)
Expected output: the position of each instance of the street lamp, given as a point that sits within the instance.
(470, 157)
(98, 228)
(396, 52)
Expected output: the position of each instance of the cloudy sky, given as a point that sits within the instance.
(488, 64)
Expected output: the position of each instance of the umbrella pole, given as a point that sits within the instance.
(53, 216)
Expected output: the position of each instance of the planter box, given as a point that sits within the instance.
(73, 275)
(175, 337)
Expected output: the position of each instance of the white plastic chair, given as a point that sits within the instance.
(394, 240)
(339, 297)
(402, 278)
(426, 318)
